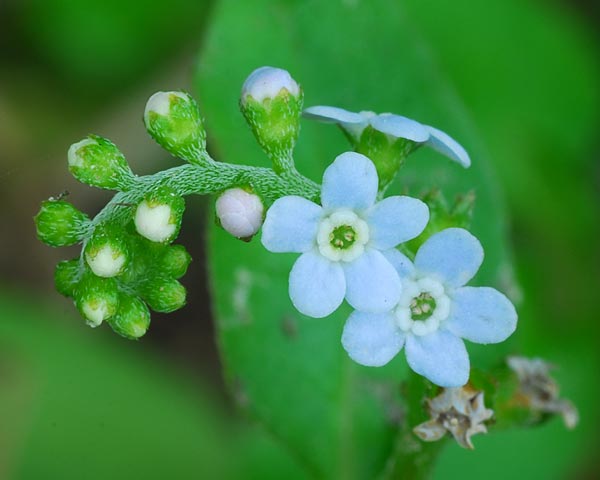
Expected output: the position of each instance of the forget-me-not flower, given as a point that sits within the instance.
(435, 312)
(393, 125)
(341, 242)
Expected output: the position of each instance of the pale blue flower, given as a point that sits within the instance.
(393, 125)
(341, 242)
(435, 312)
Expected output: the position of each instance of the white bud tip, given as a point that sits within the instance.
(240, 212)
(160, 103)
(95, 313)
(73, 156)
(106, 262)
(154, 223)
(267, 82)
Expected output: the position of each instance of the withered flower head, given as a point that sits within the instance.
(460, 411)
(540, 391)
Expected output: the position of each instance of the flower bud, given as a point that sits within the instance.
(97, 299)
(66, 276)
(173, 120)
(240, 212)
(60, 224)
(106, 253)
(271, 102)
(98, 162)
(164, 294)
(175, 261)
(158, 217)
(132, 319)
(268, 82)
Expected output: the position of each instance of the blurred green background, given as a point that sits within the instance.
(81, 403)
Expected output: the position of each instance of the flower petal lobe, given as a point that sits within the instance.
(317, 286)
(371, 339)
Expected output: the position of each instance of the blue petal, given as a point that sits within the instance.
(291, 225)
(446, 145)
(400, 262)
(395, 220)
(400, 127)
(350, 181)
(440, 356)
(481, 315)
(317, 286)
(453, 255)
(372, 339)
(327, 114)
(372, 284)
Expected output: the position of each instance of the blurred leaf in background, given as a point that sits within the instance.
(76, 406)
(102, 45)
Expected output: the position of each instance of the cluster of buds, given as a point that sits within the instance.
(124, 271)
(128, 265)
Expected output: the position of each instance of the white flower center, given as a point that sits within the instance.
(422, 306)
(342, 236)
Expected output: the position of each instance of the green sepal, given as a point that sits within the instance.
(66, 276)
(180, 132)
(443, 215)
(174, 261)
(60, 224)
(96, 298)
(386, 152)
(275, 122)
(132, 319)
(98, 162)
(164, 294)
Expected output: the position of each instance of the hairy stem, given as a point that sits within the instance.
(205, 178)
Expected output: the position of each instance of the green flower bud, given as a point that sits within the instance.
(98, 162)
(173, 120)
(106, 253)
(66, 276)
(132, 319)
(59, 223)
(97, 299)
(158, 217)
(164, 294)
(175, 261)
(271, 102)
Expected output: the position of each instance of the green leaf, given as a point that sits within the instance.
(289, 371)
(79, 405)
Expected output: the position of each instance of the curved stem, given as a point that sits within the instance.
(206, 178)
